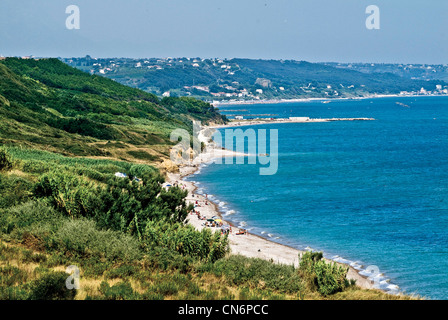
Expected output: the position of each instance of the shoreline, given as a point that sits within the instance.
(249, 245)
(243, 123)
(275, 101)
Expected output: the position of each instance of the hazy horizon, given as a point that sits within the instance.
(411, 32)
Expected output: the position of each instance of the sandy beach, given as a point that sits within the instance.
(247, 244)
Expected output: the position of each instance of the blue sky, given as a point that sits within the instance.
(411, 31)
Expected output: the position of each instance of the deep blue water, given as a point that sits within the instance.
(371, 192)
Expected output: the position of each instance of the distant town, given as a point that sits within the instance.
(237, 80)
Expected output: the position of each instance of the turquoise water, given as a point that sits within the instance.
(364, 192)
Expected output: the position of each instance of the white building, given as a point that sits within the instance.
(202, 88)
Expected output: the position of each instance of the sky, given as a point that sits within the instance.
(411, 31)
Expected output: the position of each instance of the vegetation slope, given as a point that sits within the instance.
(49, 105)
(63, 206)
(277, 79)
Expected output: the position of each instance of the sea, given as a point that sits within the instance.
(372, 194)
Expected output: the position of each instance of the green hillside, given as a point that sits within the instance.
(47, 104)
(216, 79)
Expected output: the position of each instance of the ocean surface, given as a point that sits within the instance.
(373, 194)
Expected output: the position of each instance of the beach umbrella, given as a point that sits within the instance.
(218, 220)
(210, 220)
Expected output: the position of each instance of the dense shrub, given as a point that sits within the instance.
(120, 204)
(23, 216)
(82, 238)
(240, 270)
(5, 160)
(163, 258)
(14, 190)
(13, 293)
(185, 239)
(30, 256)
(66, 192)
(36, 166)
(120, 291)
(123, 271)
(143, 171)
(10, 276)
(330, 277)
(327, 278)
(51, 286)
(85, 127)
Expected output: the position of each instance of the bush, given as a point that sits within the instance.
(167, 259)
(82, 238)
(186, 240)
(29, 256)
(23, 216)
(123, 271)
(10, 276)
(66, 192)
(5, 160)
(13, 293)
(120, 291)
(327, 278)
(14, 190)
(51, 287)
(330, 277)
(165, 288)
(254, 272)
